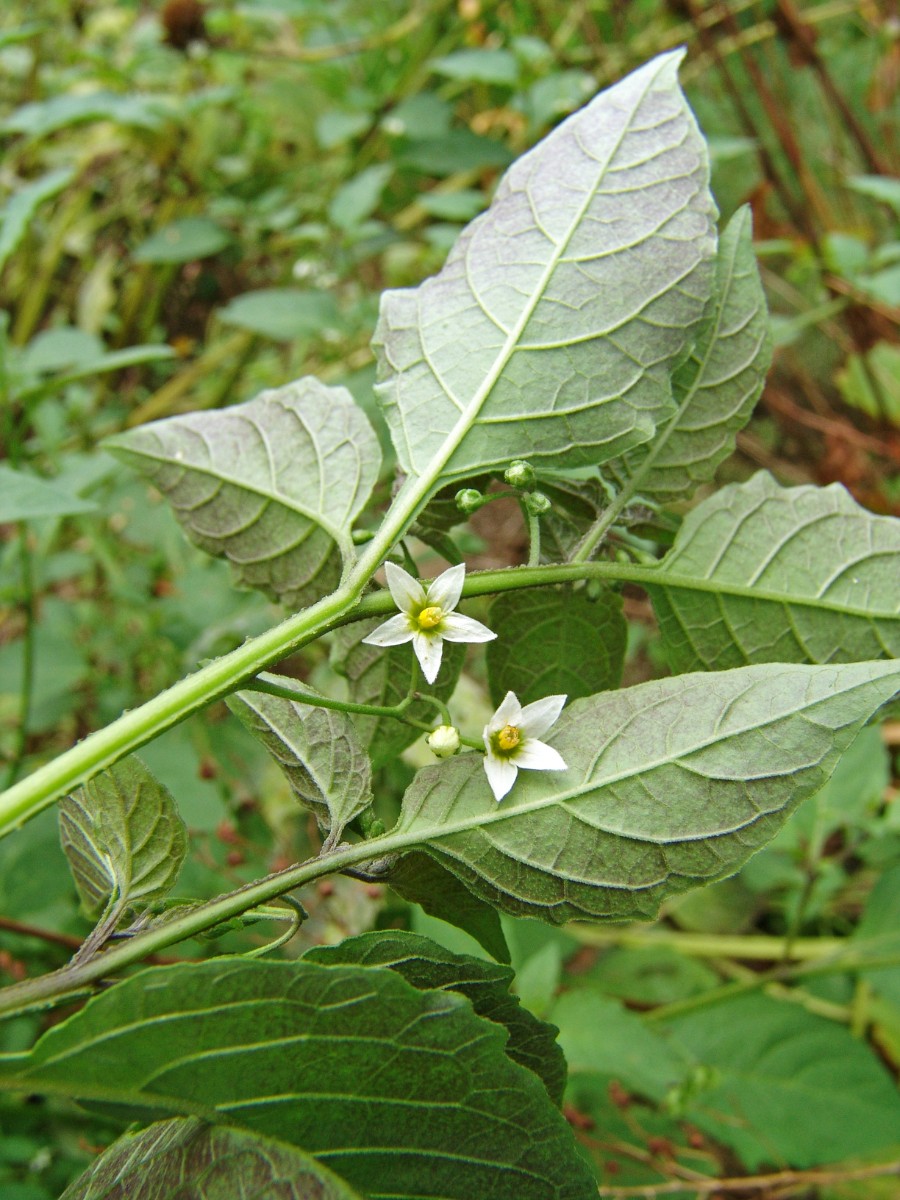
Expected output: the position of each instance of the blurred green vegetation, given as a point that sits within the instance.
(201, 201)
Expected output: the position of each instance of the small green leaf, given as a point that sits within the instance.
(879, 932)
(479, 66)
(183, 241)
(283, 314)
(123, 837)
(380, 676)
(273, 485)
(552, 328)
(786, 1084)
(424, 964)
(358, 198)
(184, 1158)
(800, 574)
(879, 188)
(317, 749)
(656, 797)
(555, 641)
(24, 497)
(22, 205)
(717, 387)
(421, 880)
(402, 1092)
(43, 117)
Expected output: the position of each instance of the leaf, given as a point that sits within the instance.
(183, 241)
(43, 117)
(885, 190)
(716, 388)
(799, 574)
(174, 1160)
(656, 797)
(421, 880)
(871, 382)
(879, 932)
(403, 1093)
(551, 331)
(479, 66)
(358, 198)
(425, 964)
(555, 641)
(576, 505)
(283, 314)
(379, 676)
(317, 749)
(273, 485)
(785, 1084)
(123, 837)
(23, 204)
(25, 497)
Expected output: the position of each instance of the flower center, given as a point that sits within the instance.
(509, 737)
(430, 617)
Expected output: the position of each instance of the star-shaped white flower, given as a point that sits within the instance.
(511, 741)
(426, 617)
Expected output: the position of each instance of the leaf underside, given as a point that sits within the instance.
(562, 310)
(670, 784)
(801, 574)
(123, 838)
(317, 749)
(272, 485)
(188, 1160)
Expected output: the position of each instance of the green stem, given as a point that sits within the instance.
(27, 687)
(534, 536)
(267, 684)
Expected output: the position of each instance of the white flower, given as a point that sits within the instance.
(511, 741)
(443, 741)
(426, 617)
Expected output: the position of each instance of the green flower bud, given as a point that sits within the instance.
(443, 741)
(520, 474)
(537, 503)
(468, 500)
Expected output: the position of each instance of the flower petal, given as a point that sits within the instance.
(537, 718)
(457, 628)
(428, 650)
(445, 590)
(509, 713)
(501, 773)
(393, 632)
(538, 756)
(408, 593)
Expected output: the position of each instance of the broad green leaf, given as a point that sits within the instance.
(551, 331)
(797, 574)
(553, 641)
(123, 837)
(879, 932)
(25, 497)
(358, 198)
(421, 880)
(716, 388)
(317, 749)
(403, 1093)
(283, 314)
(381, 676)
(174, 1160)
(425, 964)
(479, 66)
(785, 1084)
(23, 204)
(43, 117)
(182, 241)
(273, 485)
(656, 797)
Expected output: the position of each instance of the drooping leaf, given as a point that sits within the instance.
(551, 331)
(317, 749)
(25, 497)
(380, 676)
(174, 1160)
(716, 388)
(401, 1092)
(656, 798)
(273, 485)
(425, 964)
(785, 1083)
(555, 641)
(23, 204)
(421, 880)
(800, 574)
(123, 837)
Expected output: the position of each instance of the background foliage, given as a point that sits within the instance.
(198, 205)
